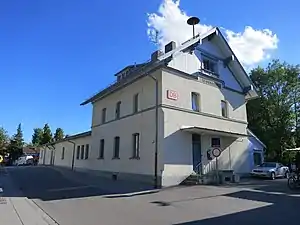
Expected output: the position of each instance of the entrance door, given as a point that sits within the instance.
(196, 145)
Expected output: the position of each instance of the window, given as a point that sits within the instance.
(136, 103)
(63, 153)
(257, 158)
(101, 149)
(116, 148)
(216, 142)
(103, 115)
(136, 146)
(87, 148)
(224, 108)
(78, 152)
(118, 107)
(209, 65)
(195, 101)
(82, 152)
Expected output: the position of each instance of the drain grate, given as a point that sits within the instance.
(3, 201)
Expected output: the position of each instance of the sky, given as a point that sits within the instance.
(55, 54)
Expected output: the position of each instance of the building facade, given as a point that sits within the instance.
(166, 119)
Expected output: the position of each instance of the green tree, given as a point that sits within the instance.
(4, 140)
(59, 134)
(37, 136)
(272, 116)
(15, 147)
(47, 135)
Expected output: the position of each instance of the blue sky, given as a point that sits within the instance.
(55, 54)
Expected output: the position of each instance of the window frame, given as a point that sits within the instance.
(210, 60)
(118, 110)
(225, 110)
(78, 152)
(101, 149)
(63, 153)
(116, 152)
(82, 152)
(136, 146)
(197, 101)
(136, 103)
(103, 117)
(87, 151)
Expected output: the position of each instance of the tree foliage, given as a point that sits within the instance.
(15, 147)
(4, 140)
(59, 134)
(47, 134)
(37, 137)
(273, 116)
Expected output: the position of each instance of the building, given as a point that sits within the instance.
(163, 120)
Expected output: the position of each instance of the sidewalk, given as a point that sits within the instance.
(16, 209)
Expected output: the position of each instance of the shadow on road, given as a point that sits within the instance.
(284, 210)
(46, 184)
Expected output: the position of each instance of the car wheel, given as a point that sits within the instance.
(273, 176)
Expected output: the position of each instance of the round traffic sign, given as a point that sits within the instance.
(216, 152)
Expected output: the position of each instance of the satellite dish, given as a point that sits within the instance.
(193, 21)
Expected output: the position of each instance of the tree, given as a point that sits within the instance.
(272, 116)
(59, 134)
(37, 136)
(47, 135)
(15, 147)
(4, 140)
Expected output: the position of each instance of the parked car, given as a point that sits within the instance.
(270, 170)
(24, 160)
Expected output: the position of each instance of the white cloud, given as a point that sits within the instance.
(251, 46)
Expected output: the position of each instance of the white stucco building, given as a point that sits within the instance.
(181, 104)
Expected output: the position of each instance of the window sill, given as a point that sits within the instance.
(136, 158)
(210, 73)
(116, 158)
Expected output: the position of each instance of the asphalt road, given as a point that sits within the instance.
(73, 202)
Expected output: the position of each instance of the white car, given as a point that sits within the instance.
(270, 170)
(24, 160)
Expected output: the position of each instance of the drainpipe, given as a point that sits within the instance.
(73, 154)
(156, 132)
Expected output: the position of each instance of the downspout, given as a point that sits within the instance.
(156, 132)
(73, 154)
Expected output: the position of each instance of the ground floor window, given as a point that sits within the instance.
(257, 158)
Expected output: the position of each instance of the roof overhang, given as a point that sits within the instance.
(202, 130)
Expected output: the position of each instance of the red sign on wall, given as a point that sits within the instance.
(173, 95)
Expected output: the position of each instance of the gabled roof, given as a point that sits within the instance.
(256, 138)
(144, 68)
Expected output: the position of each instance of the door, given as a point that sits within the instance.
(196, 146)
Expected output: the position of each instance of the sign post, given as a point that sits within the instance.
(216, 152)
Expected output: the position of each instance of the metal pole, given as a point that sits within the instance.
(156, 133)
(73, 154)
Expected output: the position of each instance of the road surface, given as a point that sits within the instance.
(71, 201)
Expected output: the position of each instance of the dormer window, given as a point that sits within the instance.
(209, 65)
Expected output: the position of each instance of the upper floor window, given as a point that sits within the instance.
(136, 103)
(116, 148)
(195, 98)
(224, 108)
(63, 153)
(210, 65)
(103, 120)
(101, 149)
(87, 148)
(216, 142)
(82, 152)
(118, 108)
(136, 146)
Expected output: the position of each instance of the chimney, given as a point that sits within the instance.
(155, 55)
(169, 47)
